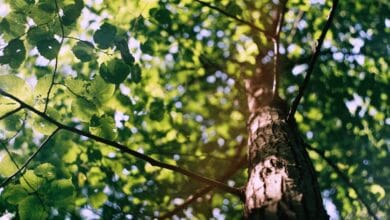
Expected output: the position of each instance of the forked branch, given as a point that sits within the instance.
(125, 149)
(20, 169)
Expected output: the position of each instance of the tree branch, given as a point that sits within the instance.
(125, 149)
(312, 62)
(344, 178)
(266, 33)
(56, 60)
(11, 112)
(201, 192)
(276, 41)
(25, 179)
(6, 181)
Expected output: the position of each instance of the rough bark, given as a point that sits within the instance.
(282, 182)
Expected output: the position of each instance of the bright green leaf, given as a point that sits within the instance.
(378, 189)
(103, 127)
(43, 126)
(45, 170)
(30, 181)
(83, 109)
(7, 166)
(31, 208)
(18, 88)
(61, 192)
(97, 199)
(114, 71)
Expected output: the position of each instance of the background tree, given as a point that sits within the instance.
(142, 109)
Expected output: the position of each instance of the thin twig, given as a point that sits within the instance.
(25, 179)
(56, 60)
(6, 181)
(266, 33)
(125, 149)
(276, 41)
(312, 62)
(201, 192)
(11, 112)
(344, 178)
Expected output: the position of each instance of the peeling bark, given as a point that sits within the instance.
(282, 182)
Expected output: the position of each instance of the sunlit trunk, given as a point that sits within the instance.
(282, 183)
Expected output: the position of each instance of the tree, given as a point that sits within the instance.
(197, 109)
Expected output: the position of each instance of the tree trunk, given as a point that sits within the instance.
(282, 182)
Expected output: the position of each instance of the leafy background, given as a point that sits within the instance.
(166, 78)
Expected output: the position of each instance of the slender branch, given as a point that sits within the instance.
(56, 60)
(201, 192)
(344, 178)
(27, 182)
(125, 149)
(276, 41)
(11, 112)
(266, 33)
(6, 181)
(312, 62)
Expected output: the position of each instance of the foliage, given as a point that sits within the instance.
(165, 79)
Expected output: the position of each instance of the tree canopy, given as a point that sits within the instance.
(137, 109)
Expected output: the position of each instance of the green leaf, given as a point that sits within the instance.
(14, 53)
(12, 123)
(98, 199)
(135, 73)
(13, 26)
(19, 5)
(45, 170)
(125, 52)
(61, 192)
(31, 208)
(72, 12)
(103, 127)
(49, 48)
(18, 88)
(14, 194)
(83, 109)
(157, 110)
(84, 51)
(43, 126)
(233, 9)
(115, 71)
(100, 90)
(162, 15)
(7, 166)
(47, 5)
(30, 181)
(41, 16)
(40, 91)
(105, 36)
(38, 33)
(147, 47)
(378, 189)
